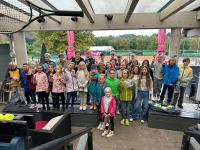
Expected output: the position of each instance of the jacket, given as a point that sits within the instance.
(77, 63)
(82, 81)
(24, 81)
(58, 86)
(186, 73)
(113, 84)
(92, 85)
(99, 92)
(91, 61)
(30, 78)
(71, 84)
(63, 64)
(15, 73)
(125, 93)
(171, 74)
(41, 82)
(111, 106)
(157, 69)
(115, 59)
(46, 65)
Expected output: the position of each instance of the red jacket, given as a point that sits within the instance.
(30, 78)
(111, 105)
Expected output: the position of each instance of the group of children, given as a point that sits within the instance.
(105, 84)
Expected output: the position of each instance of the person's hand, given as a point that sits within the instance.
(59, 78)
(116, 96)
(161, 75)
(87, 64)
(104, 114)
(74, 75)
(150, 97)
(76, 66)
(109, 115)
(181, 80)
(11, 76)
(82, 87)
(34, 78)
(163, 63)
(22, 89)
(135, 96)
(132, 81)
(153, 60)
(45, 68)
(51, 74)
(170, 84)
(47, 91)
(119, 84)
(97, 103)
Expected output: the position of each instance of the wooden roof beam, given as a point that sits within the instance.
(130, 8)
(173, 8)
(86, 7)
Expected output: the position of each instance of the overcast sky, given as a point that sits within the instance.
(148, 32)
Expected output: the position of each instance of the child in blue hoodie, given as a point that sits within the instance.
(99, 93)
(89, 60)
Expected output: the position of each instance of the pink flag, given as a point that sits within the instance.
(161, 42)
(70, 39)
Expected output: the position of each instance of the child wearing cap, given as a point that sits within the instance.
(93, 80)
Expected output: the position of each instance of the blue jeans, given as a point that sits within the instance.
(145, 96)
(69, 96)
(132, 102)
(125, 109)
(117, 103)
(92, 98)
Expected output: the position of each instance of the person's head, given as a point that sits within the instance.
(125, 73)
(136, 70)
(135, 62)
(25, 66)
(78, 54)
(50, 67)
(108, 92)
(39, 68)
(112, 73)
(119, 58)
(102, 78)
(145, 72)
(32, 65)
(89, 54)
(47, 57)
(172, 61)
(102, 56)
(112, 55)
(101, 64)
(82, 66)
(93, 69)
(59, 67)
(160, 58)
(125, 61)
(70, 66)
(186, 61)
(145, 63)
(133, 56)
(122, 66)
(108, 65)
(12, 65)
(61, 56)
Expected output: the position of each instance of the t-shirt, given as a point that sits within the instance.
(106, 104)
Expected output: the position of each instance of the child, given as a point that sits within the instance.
(51, 71)
(108, 105)
(82, 78)
(99, 93)
(93, 80)
(157, 81)
(58, 86)
(108, 67)
(77, 59)
(48, 61)
(144, 90)
(126, 63)
(102, 58)
(113, 63)
(119, 60)
(33, 67)
(71, 85)
(25, 83)
(171, 72)
(14, 74)
(133, 56)
(41, 81)
(125, 96)
(63, 62)
(89, 60)
(101, 67)
(134, 63)
(146, 63)
(112, 57)
(134, 77)
(185, 75)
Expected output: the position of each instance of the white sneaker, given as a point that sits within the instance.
(84, 107)
(105, 132)
(102, 127)
(142, 121)
(81, 107)
(33, 106)
(117, 112)
(154, 98)
(111, 133)
(131, 119)
(39, 106)
(99, 126)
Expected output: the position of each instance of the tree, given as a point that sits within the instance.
(133, 44)
(117, 43)
(193, 44)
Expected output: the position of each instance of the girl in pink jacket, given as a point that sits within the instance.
(42, 85)
(108, 105)
(58, 85)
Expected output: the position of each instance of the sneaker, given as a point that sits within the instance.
(111, 133)
(28, 103)
(171, 103)
(48, 108)
(160, 101)
(122, 122)
(154, 98)
(127, 122)
(72, 109)
(142, 121)
(131, 119)
(23, 103)
(33, 106)
(117, 112)
(84, 107)
(105, 132)
(39, 106)
(18, 102)
(99, 126)
(81, 108)
(180, 106)
(102, 127)
(43, 108)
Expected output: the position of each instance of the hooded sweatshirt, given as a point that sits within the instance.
(113, 84)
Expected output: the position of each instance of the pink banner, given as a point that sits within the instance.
(70, 39)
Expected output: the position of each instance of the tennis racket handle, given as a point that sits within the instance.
(69, 13)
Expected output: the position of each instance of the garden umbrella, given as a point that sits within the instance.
(70, 39)
(44, 50)
(161, 42)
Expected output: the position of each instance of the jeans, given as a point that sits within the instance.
(125, 109)
(181, 95)
(117, 103)
(142, 95)
(132, 102)
(170, 92)
(33, 96)
(92, 98)
(19, 93)
(69, 96)
(157, 85)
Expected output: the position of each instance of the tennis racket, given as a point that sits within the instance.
(16, 15)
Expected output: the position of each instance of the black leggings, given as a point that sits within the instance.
(111, 124)
(43, 96)
(62, 98)
(28, 95)
(100, 117)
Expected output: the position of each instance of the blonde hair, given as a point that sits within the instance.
(12, 64)
(148, 78)
(89, 52)
(133, 54)
(47, 54)
(33, 62)
(128, 74)
(127, 66)
(105, 80)
(108, 88)
(85, 70)
(172, 58)
(71, 63)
